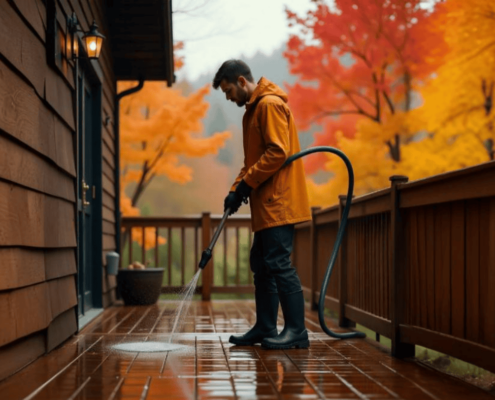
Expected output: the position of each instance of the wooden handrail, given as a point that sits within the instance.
(187, 252)
(418, 262)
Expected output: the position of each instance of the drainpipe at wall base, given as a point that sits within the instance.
(118, 216)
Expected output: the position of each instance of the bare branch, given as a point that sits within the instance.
(185, 11)
(389, 101)
(348, 95)
(377, 98)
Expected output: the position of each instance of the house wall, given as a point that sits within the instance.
(38, 291)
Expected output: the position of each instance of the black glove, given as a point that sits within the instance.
(243, 190)
(232, 201)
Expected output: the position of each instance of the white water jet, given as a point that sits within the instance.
(153, 347)
(188, 293)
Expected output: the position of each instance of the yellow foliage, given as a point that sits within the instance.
(440, 154)
(458, 103)
(371, 164)
(453, 129)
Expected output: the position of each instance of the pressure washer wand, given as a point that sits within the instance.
(206, 255)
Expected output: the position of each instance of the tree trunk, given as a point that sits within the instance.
(394, 148)
(407, 86)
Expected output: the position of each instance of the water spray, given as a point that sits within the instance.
(207, 253)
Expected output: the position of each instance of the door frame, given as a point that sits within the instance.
(90, 72)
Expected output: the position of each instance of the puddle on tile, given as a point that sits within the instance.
(148, 347)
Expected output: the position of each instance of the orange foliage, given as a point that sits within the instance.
(137, 234)
(160, 128)
(178, 60)
(359, 63)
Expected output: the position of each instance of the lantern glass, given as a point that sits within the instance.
(93, 45)
(75, 46)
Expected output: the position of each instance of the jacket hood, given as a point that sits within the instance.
(266, 88)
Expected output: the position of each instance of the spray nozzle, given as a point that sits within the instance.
(205, 258)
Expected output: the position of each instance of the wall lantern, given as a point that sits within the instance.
(92, 39)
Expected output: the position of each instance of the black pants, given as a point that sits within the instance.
(270, 261)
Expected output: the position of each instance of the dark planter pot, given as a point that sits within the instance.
(140, 287)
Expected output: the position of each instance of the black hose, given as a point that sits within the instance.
(338, 241)
(206, 256)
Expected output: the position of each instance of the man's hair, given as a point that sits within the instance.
(231, 70)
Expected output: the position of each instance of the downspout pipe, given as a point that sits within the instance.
(118, 216)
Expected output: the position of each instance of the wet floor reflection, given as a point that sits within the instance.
(208, 367)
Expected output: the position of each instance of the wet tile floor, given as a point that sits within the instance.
(209, 367)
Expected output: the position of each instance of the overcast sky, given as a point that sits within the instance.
(216, 30)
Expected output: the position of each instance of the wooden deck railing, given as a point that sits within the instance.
(417, 264)
(186, 238)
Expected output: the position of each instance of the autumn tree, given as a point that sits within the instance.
(458, 105)
(359, 64)
(159, 127)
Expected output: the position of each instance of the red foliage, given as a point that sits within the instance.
(359, 58)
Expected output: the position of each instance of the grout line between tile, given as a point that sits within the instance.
(158, 319)
(99, 321)
(228, 366)
(123, 319)
(392, 393)
(79, 389)
(40, 388)
(274, 386)
(196, 367)
(146, 388)
(402, 376)
(139, 320)
(116, 389)
(343, 380)
(317, 391)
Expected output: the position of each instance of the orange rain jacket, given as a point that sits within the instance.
(279, 195)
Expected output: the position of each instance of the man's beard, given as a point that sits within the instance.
(243, 101)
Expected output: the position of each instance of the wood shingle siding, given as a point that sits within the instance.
(27, 118)
(53, 137)
(29, 218)
(23, 267)
(38, 243)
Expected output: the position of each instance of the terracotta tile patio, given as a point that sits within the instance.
(209, 367)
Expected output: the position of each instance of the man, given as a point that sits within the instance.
(278, 200)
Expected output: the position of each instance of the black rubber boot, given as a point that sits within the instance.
(294, 333)
(266, 321)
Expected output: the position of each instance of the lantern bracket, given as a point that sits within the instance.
(93, 39)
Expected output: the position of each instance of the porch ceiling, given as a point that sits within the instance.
(86, 368)
(142, 39)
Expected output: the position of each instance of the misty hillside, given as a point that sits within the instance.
(213, 175)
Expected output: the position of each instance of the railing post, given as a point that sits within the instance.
(342, 263)
(313, 250)
(207, 273)
(397, 276)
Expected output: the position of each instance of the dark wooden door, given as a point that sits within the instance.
(89, 204)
